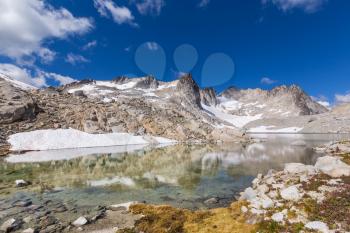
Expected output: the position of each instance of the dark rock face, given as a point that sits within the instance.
(188, 91)
(15, 104)
(232, 93)
(121, 80)
(147, 83)
(208, 96)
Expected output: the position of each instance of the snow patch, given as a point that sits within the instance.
(70, 138)
(238, 121)
(272, 129)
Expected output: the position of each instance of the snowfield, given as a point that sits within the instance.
(70, 138)
(272, 129)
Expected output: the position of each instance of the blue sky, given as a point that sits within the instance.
(255, 43)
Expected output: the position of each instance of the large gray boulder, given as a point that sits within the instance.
(15, 104)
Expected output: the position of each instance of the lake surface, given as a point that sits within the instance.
(180, 175)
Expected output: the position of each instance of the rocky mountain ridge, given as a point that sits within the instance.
(116, 106)
(145, 106)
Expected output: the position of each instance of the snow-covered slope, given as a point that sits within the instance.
(17, 83)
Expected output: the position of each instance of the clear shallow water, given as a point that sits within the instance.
(180, 175)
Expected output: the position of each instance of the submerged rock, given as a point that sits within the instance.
(21, 183)
(81, 221)
(11, 225)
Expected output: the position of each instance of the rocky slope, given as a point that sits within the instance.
(141, 106)
(177, 110)
(281, 101)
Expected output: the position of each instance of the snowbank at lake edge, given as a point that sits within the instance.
(54, 139)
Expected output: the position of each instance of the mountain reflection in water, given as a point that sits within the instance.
(182, 175)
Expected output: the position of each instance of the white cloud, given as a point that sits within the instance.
(150, 7)
(308, 6)
(152, 46)
(75, 59)
(25, 26)
(325, 104)
(37, 77)
(120, 15)
(61, 79)
(203, 3)
(90, 45)
(267, 81)
(323, 100)
(22, 75)
(342, 98)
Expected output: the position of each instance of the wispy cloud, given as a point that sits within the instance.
(26, 25)
(119, 14)
(323, 100)
(35, 77)
(90, 45)
(267, 81)
(339, 98)
(152, 46)
(203, 3)
(150, 7)
(75, 59)
(309, 6)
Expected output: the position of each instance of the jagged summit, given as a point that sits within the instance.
(281, 101)
(188, 91)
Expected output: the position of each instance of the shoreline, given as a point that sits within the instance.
(301, 197)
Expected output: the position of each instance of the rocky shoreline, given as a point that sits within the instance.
(301, 198)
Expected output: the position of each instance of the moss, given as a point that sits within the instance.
(159, 219)
(269, 227)
(345, 158)
(315, 182)
(334, 209)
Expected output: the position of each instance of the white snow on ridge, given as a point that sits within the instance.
(70, 138)
(270, 129)
(238, 121)
(16, 83)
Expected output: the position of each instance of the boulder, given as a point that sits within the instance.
(332, 166)
(299, 168)
(10, 225)
(278, 217)
(248, 194)
(291, 194)
(318, 226)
